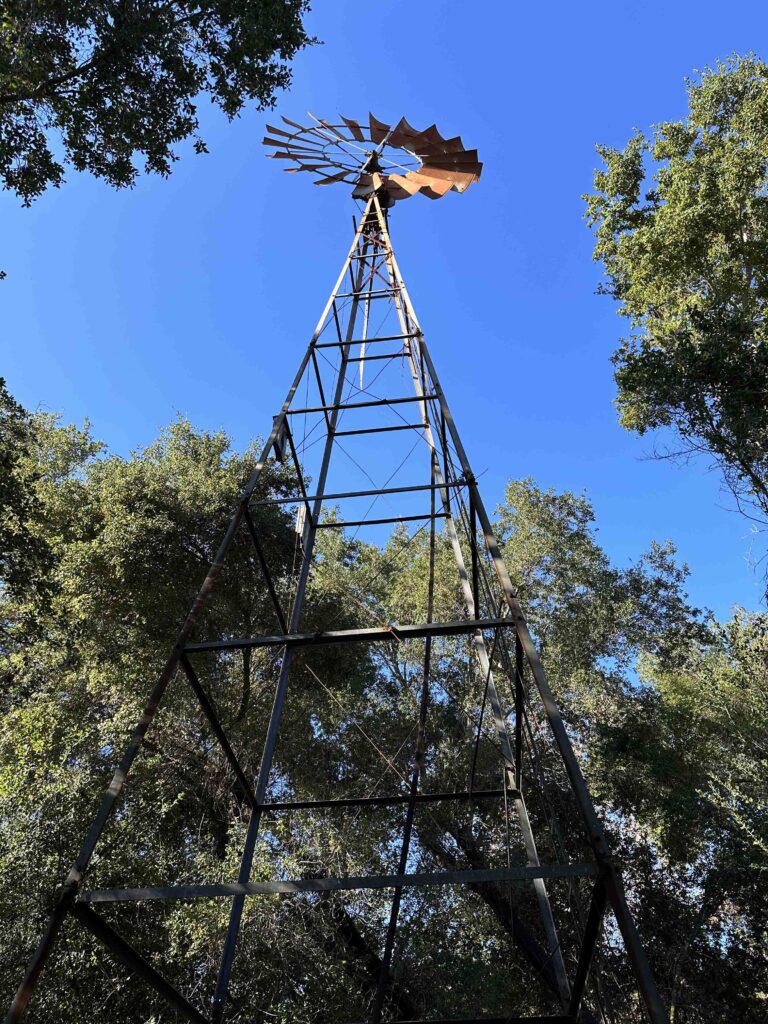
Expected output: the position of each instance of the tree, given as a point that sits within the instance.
(96, 83)
(24, 551)
(129, 541)
(680, 223)
(685, 754)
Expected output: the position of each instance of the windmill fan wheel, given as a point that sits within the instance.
(395, 161)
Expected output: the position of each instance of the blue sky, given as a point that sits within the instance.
(197, 294)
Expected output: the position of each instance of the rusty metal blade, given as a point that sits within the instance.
(431, 136)
(379, 129)
(306, 167)
(406, 183)
(430, 186)
(468, 156)
(329, 127)
(457, 168)
(354, 127)
(279, 131)
(404, 135)
(333, 178)
(396, 192)
(445, 164)
(454, 145)
(292, 143)
(461, 180)
(293, 124)
(293, 147)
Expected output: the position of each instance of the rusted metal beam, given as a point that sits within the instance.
(215, 890)
(221, 736)
(342, 495)
(373, 403)
(379, 430)
(381, 801)
(395, 633)
(136, 963)
(341, 523)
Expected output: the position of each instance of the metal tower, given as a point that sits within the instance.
(367, 394)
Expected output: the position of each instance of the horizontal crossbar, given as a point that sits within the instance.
(345, 636)
(380, 522)
(367, 341)
(297, 500)
(385, 801)
(371, 358)
(370, 255)
(482, 876)
(374, 403)
(377, 293)
(379, 430)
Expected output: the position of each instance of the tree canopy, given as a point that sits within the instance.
(664, 704)
(97, 84)
(680, 221)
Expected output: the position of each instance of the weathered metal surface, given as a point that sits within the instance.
(391, 167)
(394, 632)
(135, 962)
(217, 890)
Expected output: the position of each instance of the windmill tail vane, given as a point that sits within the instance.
(506, 829)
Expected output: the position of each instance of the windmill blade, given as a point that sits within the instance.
(334, 177)
(404, 134)
(293, 124)
(330, 127)
(354, 127)
(467, 156)
(379, 129)
(431, 136)
(427, 162)
(407, 183)
(279, 131)
(434, 192)
(292, 147)
(316, 164)
(454, 145)
(473, 169)
(292, 143)
(396, 192)
(434, 188)
(307, 167)
(296, 156)
(461, 180)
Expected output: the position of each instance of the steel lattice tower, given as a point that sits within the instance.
(369, 327)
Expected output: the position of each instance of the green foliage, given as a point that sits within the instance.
(665, 709)
(110, 81)
(25, 554)
(685, 258)
(685, 755)
(130, 541)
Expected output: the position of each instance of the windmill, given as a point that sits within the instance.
(522, 782)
